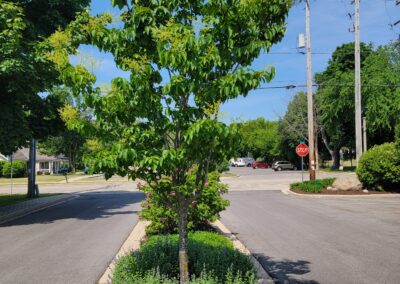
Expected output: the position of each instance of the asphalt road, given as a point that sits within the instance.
(69, 243)
(319, 240)
(248, 178)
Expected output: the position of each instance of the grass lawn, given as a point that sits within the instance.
(40, 179)
(348, 166)
(7, 199)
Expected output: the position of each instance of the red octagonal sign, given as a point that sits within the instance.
(302, 150)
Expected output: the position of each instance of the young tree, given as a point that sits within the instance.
(185, 58)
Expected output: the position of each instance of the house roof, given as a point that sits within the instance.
(3, 158)
(23, 155)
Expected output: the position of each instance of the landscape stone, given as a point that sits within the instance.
(347, 183)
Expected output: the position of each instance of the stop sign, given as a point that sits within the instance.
(302, 150)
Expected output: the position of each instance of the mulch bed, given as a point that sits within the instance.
(343, 192)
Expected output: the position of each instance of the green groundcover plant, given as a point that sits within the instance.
(212, 260)
(379, 168)
(313, 186)
(160, 205)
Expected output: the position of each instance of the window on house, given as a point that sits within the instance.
(44, 165)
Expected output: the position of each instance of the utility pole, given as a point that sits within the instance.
(32, 170)
(310, 106)
(364, 120)
(357, 90)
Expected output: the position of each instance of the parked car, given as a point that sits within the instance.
(238, 163)
(257, 165)
(64, 171)
(249, 161)
(283, 165)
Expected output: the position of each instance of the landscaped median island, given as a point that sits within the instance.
(212, 257)
(212, 260)
(331, 186)
(378, 172)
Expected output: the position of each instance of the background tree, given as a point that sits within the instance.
(185, 58)
(68, 141)
(25, 71)
(335, 99)
(381, 91)
(380, 96)
(259, 139)
(292, 127)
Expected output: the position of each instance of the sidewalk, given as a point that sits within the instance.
(11, 212)
(81, 178)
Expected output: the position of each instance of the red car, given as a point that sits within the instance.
(257, 165)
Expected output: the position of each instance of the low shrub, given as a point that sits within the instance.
(379, 168)
(163, 216)
(212, 260)
(19, 169)
(313, 186)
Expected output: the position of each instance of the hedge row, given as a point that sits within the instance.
(19, 169)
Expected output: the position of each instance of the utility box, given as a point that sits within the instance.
(301, 41)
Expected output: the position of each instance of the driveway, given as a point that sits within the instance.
(319, 240)
(69, 243)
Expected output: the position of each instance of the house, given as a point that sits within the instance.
(3, 158)
(44, 163)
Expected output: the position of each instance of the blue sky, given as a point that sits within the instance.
(330, 26)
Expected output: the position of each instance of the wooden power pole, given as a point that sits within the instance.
(310, 105)
(357, 59)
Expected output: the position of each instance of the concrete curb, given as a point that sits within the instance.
(132, 243)
(388, 195)
(35, 208)
(263, 276)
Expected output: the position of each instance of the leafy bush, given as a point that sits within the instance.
(379, 167)
(223, 167)
(161, 209)
(313, 186)
(19, 169)
(212, 260)
(2, 163)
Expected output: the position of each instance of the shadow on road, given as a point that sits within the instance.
(88, 206)
(285, 271)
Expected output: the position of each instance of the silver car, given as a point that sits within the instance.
(283, 165)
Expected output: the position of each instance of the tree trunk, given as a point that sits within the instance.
(336, 158)
(183, 245)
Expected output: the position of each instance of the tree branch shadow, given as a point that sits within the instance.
(286, 271)
(88, 206)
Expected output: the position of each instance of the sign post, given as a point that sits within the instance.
(302, 151)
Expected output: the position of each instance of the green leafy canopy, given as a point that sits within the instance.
(184, 57)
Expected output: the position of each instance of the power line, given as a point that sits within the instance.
(288, 87)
